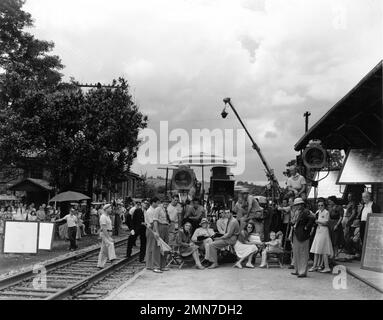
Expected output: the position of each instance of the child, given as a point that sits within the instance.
(274, 245)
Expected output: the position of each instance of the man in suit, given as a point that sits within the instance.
(137, 228)
(301, 238)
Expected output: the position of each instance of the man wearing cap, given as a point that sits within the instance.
(202, 237)
(107, 243)
(229, 238)
(301, 237)
(296, 184)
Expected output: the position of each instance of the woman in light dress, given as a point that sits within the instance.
(244, 247)
(322, 246)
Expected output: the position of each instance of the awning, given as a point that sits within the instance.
(326, 187)
(362, 166)
(32, 185)
(8, 197)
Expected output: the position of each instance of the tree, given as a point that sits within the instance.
(78, 136)
(25, 62)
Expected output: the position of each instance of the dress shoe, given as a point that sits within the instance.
(302, 276)
(165, 269)
(294, 273)
(200, 267)
(325, 271)
(157, 271)
(213, 266)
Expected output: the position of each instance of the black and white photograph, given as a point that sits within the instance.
(191, 156)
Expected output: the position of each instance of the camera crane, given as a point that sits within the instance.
(275, 188)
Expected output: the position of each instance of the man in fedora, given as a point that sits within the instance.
(301, 238)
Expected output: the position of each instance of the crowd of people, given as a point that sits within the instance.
(302, 229)
(296, 228)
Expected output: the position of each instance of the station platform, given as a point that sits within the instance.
(372, 278)
(228, 283)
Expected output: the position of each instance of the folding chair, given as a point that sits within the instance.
(175, 258)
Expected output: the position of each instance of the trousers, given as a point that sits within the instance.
(301, 255)
(217, 244)
(132, 240)
(106, 252)
(72, 232)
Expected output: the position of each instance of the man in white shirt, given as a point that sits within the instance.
(152, 249)
(72, 221)
(368, 207)
(296, 183)
(107, 251)
(174, 211)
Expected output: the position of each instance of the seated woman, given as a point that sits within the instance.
(274, 245)
(186, 246)
(244, 248)
(221, 224)
(202, 237)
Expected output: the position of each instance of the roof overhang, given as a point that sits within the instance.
(32, 185)
(355, 121)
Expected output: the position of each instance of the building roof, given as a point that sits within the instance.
(355, 121)
(31, 185)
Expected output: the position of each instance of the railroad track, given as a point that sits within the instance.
(75, 277)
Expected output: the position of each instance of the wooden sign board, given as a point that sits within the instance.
(46, 230)
(21, 237)
(372, 256)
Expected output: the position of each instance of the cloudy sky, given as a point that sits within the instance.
(274, 58)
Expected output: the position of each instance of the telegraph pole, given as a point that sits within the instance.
(307, 114)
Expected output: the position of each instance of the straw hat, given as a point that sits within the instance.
(298, 201)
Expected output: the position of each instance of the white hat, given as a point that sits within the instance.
(106, 206)
(298, 201)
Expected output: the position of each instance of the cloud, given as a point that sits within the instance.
(270, 135)
(281, 98)
(274, 58)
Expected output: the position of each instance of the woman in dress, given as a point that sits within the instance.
(321, 246)
(244, 247)
(335, 224)
(186, 246)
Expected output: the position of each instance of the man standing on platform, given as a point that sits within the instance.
(137, 228)
(153, 253)
(174, 211)
(107, 243)
(301, 238)
(229, 238)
